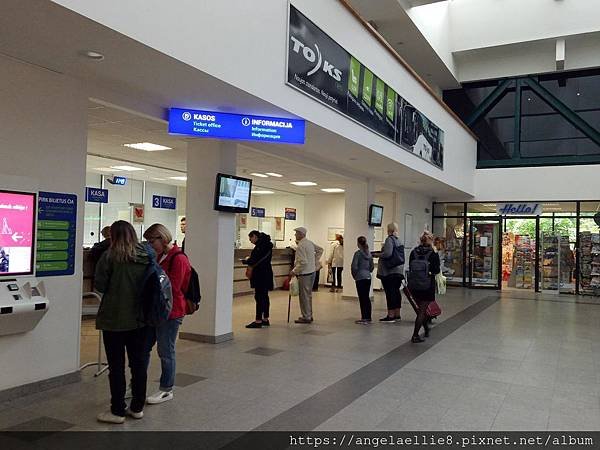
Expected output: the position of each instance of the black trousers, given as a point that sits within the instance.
(391, 286)
(336, 277)
(262, 303)
(116, 343)
(363, 287)
(316, 282)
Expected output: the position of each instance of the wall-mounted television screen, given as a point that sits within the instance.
(17, 233)
(232, 194)
(375, 215)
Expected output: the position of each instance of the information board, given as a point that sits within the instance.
(57, 228)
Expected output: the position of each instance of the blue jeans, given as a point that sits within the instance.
(164, 336)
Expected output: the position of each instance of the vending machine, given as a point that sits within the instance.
(23, 299)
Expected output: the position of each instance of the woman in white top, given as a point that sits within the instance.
(336, 263)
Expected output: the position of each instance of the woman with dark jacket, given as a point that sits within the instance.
(119, 274)
(423, 258)
(362, 266)
(261, 276)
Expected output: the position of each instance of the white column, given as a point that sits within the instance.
(359, 195)
(209, 241)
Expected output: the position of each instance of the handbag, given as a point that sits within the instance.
(294, 287)
(250, 269)
(433, 309)
(440, 284)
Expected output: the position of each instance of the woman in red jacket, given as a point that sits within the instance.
(175, 263)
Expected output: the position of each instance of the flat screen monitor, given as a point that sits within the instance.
(232, 194)
(17, 233)
(375, 215)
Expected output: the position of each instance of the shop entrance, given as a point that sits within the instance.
(519, 253)
(484, 253)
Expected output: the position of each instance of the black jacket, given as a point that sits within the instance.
(434, 269)
(260, 260)
(98, 249)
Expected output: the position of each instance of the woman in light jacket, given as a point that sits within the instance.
(362, 266)
(391, 276)
(336, 263)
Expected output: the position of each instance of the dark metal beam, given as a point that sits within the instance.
(488, 103)
(572, 117)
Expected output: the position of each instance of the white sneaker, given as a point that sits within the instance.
(159, 397)
(135, 415)
(109, 417)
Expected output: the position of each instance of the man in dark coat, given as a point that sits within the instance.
(260, 274)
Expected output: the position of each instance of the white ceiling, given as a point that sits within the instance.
(395, 25)
(110, 128)
(138, 78)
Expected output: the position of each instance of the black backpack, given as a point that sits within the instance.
(156, 296)
(419, 278)
(397, 257)
(192, 292)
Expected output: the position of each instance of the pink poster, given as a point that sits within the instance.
(17, 213)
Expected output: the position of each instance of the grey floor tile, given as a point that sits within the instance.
(41, 424)
(264, 351)
(318, 333)
(185, 379)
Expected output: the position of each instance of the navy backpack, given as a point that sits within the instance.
(156, 296)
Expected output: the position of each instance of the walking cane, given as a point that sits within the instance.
(289, 298)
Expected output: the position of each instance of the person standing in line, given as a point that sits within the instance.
(362, 266)
(183, 227)
(177, 267)
(308, 256)
(99, 248)
(261, 278)
(424, 263)
(391, 273)
(119, 274)
(336, 263)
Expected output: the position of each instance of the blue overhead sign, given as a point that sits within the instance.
(209, 124)
(257, 212)
(122, 181)
(158, 201)
(96, 195)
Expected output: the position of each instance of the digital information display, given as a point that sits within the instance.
(233, 193)
(375, 215)
(17, 232)
(209, 124)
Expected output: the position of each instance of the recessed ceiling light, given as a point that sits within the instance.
(181, 178)
(107, 169)
(261, 192)
(333, 190)
(127, 168)
(147, 146)
(578, 94)
(96, 56)
(261, 175)
(273, 174)
(528, 99)
(303, 183)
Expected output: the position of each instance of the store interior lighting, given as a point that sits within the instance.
(147, 146)
(303, 183)
(262, 192)
(333, 190)
(127, 168)
(260, 175)
(181, 178)
(273, 174)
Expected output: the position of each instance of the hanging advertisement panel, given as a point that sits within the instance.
(321, 68)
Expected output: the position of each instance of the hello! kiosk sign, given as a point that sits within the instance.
(519, 209)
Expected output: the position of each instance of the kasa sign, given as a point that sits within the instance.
(519, 209)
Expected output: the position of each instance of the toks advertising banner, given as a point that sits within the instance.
(321, 68)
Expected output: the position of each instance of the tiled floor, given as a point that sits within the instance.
(494, 362)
